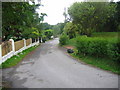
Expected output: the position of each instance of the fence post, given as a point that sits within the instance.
(31, 41)
(38, 40)
(13, 44)
(24, 43)
(0, 54)
(41, 40)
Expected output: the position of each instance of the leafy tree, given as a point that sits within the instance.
(71, 30)
(91, 16)
(46, 26)
(63, 39)
(42, 16)
(46, 34)
(115, 21)
(118, 13)
(18, 19)
(58, 29)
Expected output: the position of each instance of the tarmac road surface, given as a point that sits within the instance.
(50, 67)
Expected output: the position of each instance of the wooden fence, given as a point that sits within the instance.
(6, 47)
(28, 42)
(10, 48)
(19, 45)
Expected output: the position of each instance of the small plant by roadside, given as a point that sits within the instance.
(63, 39)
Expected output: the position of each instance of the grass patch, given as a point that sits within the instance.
(14, 60)
(105, 34)
(105, 64)
(72, 42)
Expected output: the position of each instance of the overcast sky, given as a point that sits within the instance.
(54, 9)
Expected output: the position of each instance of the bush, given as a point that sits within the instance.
(98, 47)
(63, 39)
(113, 50)
(72, 42)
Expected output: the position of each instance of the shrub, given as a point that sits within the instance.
(113, 50)
(63, 39)
(72, 42)
(98, 47)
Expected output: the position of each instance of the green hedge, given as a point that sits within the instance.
(99, 47)
(63, 39)
(113, 50)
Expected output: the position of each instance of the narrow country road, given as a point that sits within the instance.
(50, 67)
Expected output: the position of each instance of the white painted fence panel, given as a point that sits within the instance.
(13, 52)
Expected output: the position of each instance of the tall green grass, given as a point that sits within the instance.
(109, 36)
(105, 34)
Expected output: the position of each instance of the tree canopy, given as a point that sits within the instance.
(20, 20)
(91, 16)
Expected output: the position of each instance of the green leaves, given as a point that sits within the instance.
(99, 47)
(35, 31)
(91, 15)
(63, 39)
(19, 18)
(71, 30)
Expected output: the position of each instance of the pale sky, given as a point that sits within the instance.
(55, 8)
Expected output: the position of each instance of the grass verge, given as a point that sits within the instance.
(101, 63)
(105, 34)
(14, 60)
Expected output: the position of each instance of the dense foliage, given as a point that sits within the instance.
(20, 20)
(70, 29)
(92, 16)
(93, 29)
(58, 29)
(46, 34)
(63, 39)
(99, 47)
(46, 26)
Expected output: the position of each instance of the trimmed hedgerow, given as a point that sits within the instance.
(63, 39)
(98, 47)
(113, 50)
